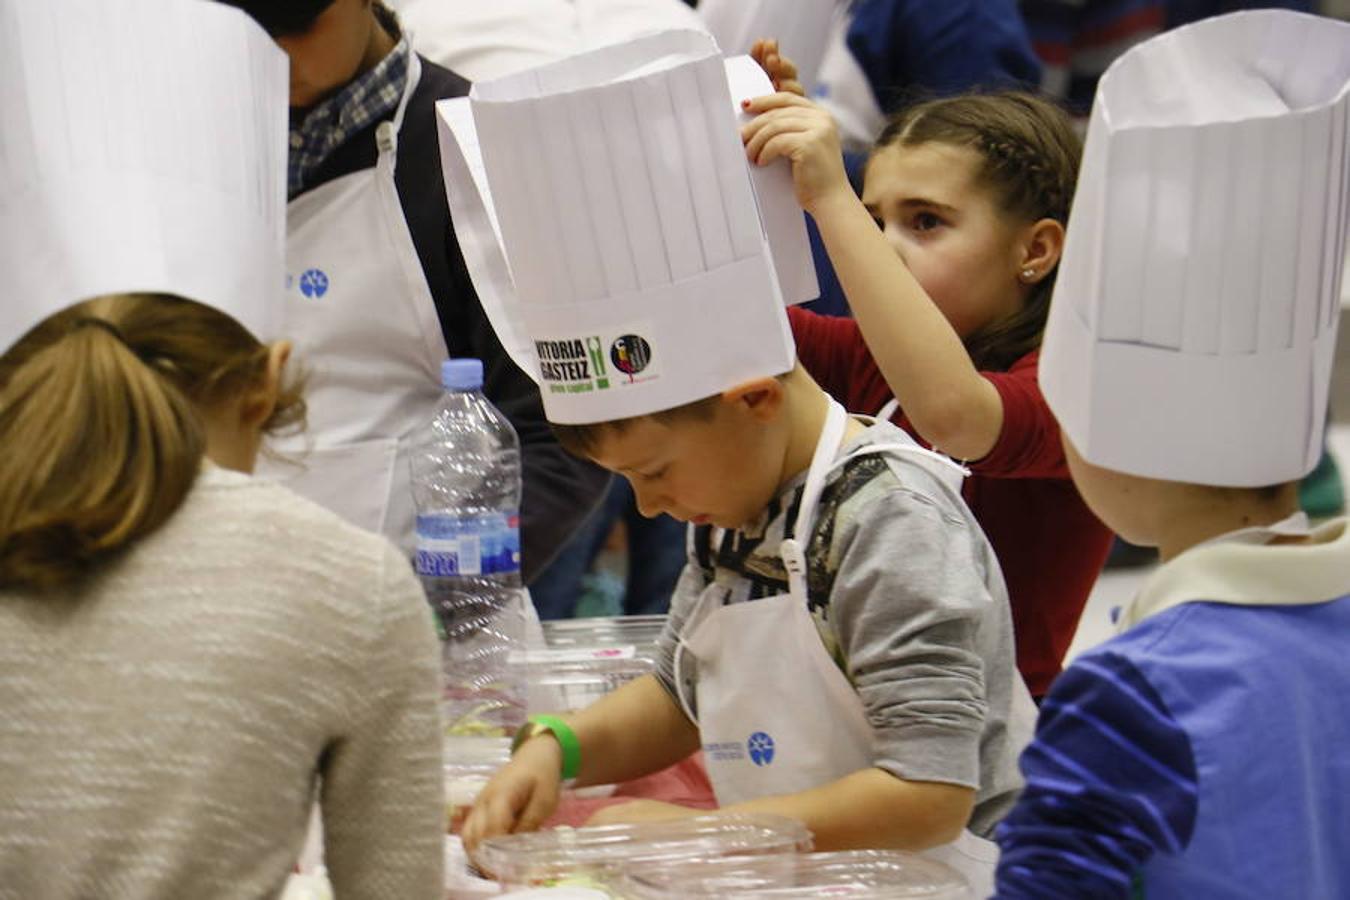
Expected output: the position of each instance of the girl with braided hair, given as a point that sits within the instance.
(948, 261)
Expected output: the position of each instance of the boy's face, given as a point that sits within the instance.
(721, 471)
(329, 54)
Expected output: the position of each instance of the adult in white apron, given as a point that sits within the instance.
(752, 657)
(365, 328)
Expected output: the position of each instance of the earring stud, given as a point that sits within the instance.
(1028, 274)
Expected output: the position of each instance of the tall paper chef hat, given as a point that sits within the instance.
(142, 148)
(615, 234)
(1193, 325)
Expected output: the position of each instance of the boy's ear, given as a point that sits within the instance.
(1044, 242)
(761, 398)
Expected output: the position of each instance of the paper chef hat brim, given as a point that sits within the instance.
(144, 150)
(606, 198)
(1194, 319)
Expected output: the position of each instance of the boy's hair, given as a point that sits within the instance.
(582, 440)
(282, 19)
(286, 18)
(1031, 154)
(99, 417)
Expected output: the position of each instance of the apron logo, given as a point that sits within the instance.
(630, 354)
(313, 283)
(761, 748)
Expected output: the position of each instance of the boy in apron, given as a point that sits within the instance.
(1202, 751)
(840, 643)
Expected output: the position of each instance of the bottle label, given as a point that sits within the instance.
(487, 544)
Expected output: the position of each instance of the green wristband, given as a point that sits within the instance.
(567, 740)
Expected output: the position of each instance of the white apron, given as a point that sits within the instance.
(366, 332)
(775, 713)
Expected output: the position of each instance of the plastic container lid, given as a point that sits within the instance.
(639, 632)
(578, 676)
(858, 875)
(545, 858)
(462, 374)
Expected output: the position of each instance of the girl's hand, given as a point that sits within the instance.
(520, 796)
(790, 127)
(781, 70)
(638, 811)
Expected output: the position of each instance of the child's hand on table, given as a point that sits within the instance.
(520, 796)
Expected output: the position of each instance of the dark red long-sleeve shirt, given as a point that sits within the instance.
(1050, 545)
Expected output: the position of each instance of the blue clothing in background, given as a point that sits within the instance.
(941, 48)
(1204, 753)
(1077, 40)
(656, 556)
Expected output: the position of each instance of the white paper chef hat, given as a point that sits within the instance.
(142, 148)
(614, 232)
(1193, 325)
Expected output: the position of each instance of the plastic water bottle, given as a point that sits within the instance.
(466, 486)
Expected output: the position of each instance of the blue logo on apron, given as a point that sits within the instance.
(760, 746)
(313, 283)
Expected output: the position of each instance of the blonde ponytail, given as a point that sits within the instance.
(100, 434)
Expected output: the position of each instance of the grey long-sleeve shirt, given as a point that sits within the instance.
(909, 601)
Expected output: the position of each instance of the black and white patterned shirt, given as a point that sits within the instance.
(328, 125)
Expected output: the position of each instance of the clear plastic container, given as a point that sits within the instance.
(638, 632)
(858, 875)
(594, 857)
(461, 882)
(568, 680)
(468, 764)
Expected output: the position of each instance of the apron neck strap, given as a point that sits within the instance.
(386, 134)
(793, 549)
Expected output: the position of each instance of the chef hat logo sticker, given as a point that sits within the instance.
(761, 748)
(631, 354)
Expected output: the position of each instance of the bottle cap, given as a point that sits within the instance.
(462, 374)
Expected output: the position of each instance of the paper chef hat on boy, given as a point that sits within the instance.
(142, 148)
(614, 232)
(1193, 325)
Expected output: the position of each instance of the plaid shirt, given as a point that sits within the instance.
(328, 125)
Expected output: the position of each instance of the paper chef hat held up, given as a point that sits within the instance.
(142, 148)
(1193, 325)
(614, 233)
